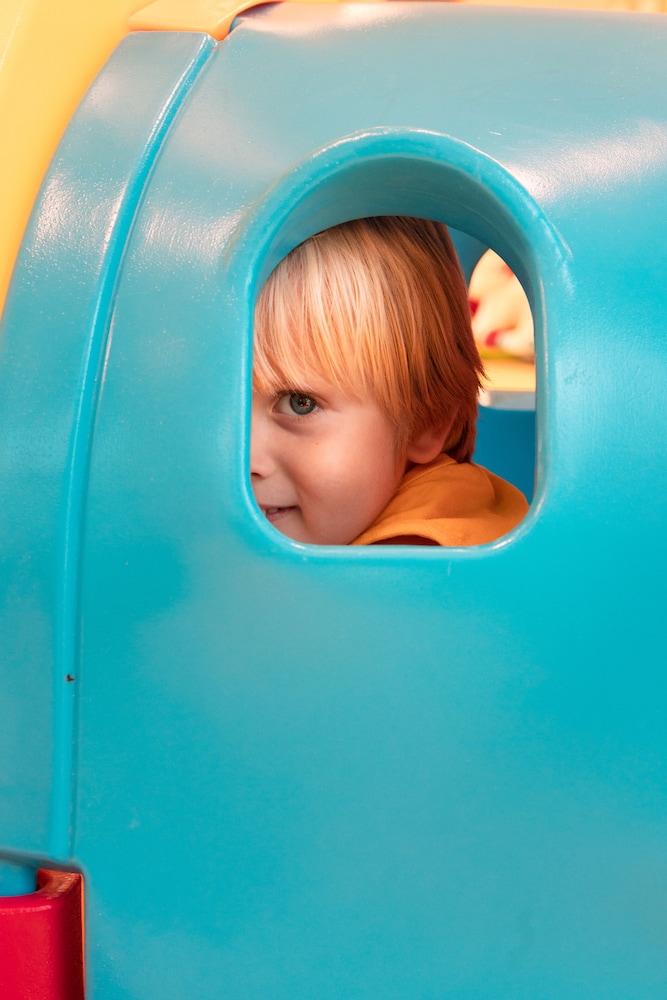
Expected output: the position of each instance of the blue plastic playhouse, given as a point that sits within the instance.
(300, 773)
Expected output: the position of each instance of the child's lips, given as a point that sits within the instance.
(275, 514)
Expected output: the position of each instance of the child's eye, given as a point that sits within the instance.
(298, 403)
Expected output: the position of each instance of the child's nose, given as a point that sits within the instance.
(261, 459)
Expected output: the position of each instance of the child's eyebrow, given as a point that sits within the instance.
(304, 389)
(306, 385)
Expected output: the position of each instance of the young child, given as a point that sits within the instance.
(365, 385)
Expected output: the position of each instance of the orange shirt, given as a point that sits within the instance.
(447, 503)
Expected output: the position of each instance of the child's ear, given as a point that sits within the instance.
(427, 445)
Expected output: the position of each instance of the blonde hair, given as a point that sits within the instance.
(378, 307)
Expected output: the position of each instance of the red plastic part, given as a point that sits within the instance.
(41, 940)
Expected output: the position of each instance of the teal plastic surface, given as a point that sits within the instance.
(290, 772)
(506, 443)
(53, 341)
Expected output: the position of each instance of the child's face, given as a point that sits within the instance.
(323, 465)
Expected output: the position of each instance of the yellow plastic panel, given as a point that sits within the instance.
(50, 51)
(212, 16)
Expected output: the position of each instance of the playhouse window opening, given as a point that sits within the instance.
(503, 327)
(365, 391)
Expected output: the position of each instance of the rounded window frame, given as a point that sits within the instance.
(403, 172)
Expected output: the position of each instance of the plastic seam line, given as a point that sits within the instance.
(67, 627)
